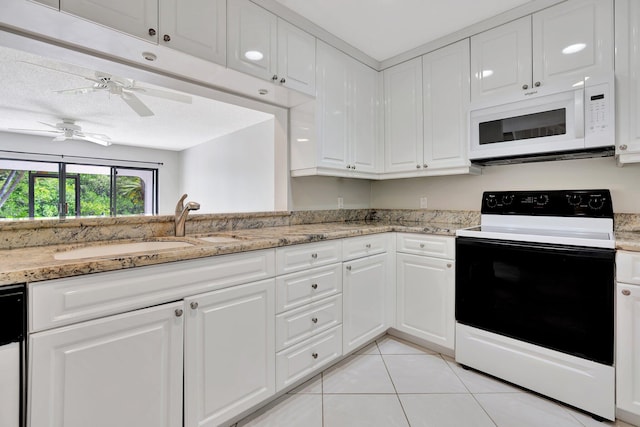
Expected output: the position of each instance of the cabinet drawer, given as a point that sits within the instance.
(427, 245)
(303, 257)
(300, 360)
(304, 322)
(358, 247)
(298, 289)
(628, 267)
(59, 302)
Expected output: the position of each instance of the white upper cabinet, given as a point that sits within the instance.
(195, 27)
(338, 134)
(555, 47)
(403, 116)
(51, 3)
(263, 45)
(446, 100)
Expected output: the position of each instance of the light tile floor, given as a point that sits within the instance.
(395, 383)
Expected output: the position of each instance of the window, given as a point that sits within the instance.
(30, 189)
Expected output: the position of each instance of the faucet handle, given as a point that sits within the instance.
(180, 205)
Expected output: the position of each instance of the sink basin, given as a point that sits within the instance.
(118, 249)
(219, 239)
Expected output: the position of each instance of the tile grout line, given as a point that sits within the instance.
(393, 384)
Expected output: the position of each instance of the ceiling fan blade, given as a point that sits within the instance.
(33, 130)
(90, 138)
(55, 69)
(158, 93)
(78, 91)
(60, 138)
(136, 104)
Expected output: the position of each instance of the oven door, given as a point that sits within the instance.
(555, 296)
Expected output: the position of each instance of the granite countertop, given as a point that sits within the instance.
(628, 241)
(36, 263)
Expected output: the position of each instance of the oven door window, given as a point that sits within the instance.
(559, 297)
(535, 125)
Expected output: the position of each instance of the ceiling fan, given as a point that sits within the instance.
(122, 87)
(67, 129)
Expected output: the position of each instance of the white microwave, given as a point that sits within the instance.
(578, 121)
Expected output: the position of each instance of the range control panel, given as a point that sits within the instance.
(568, 203)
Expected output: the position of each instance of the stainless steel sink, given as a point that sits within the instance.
(111, 249)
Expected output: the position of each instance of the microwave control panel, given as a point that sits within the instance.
(599, 120)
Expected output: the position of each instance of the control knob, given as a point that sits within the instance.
(491, 201)
(507, 199)
(542, 200)
(575, 199)
(596, 202)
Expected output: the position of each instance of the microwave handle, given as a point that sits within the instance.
(578, 113)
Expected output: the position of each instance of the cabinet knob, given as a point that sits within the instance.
(421, 245)
(314, 256)
(314, 319)
(448, 265)
(537, 84)
(353, 167)
(418, 166)
(368, 246)
(152, 32)
(623, 147)
(348, 166)
(425, 165)
(348, 268)
(626, 292)
(525, 87)
(275, 77)
(282, 80)
(166, 38)
(314, 355)
(179, 312)
(194, 305)
(314, 286)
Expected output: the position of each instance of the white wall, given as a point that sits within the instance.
(233, 173)
(465, 191)
(319, 192)
(112, 155)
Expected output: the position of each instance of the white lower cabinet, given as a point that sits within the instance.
(123, 370)
(426, 289)
(229, 352)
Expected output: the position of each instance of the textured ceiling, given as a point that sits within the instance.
(27, 97)
(385, 28)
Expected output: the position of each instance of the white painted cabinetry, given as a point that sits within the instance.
(554, 48)
(367, 289)
(229, 352)
(196, 27)
(122, 370)
(51, 3)
(627, 25)
(628, 336)
(425, 284)
(338, 134)
(266, 46)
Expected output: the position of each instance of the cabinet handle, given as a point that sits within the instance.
(368, 246)
(282, 80)
(537, 84)
(314, 355)
(623, 147)
(152, 32)
(314, 286)
(167, 38)
(275, 77)
(194, 305)
(314, 320)
(179, 312)
(348, 268)
(626, 292)
(525, 87)
(314, 256)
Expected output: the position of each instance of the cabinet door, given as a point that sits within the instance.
(403, 116)
(446, 99)
(135, 17)
(426, 298)
(363, 141)
(572, 40)
(331, 110)
(229, 352)
(501, 60)
(123, 370)
(364, 291)
(296, 58)
(51, 3)
(196, 27)
(627, 343)
(252, 39)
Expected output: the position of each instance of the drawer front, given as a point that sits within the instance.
(60, 302)
(298, 289)
(300, 360)
(628, 267)
(302, 323)
(302, 257)
(358, 247)
(427, 245)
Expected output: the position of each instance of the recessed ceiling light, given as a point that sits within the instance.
(253, 55)
(574, 48)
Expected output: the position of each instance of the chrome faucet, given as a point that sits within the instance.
(181, 214)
